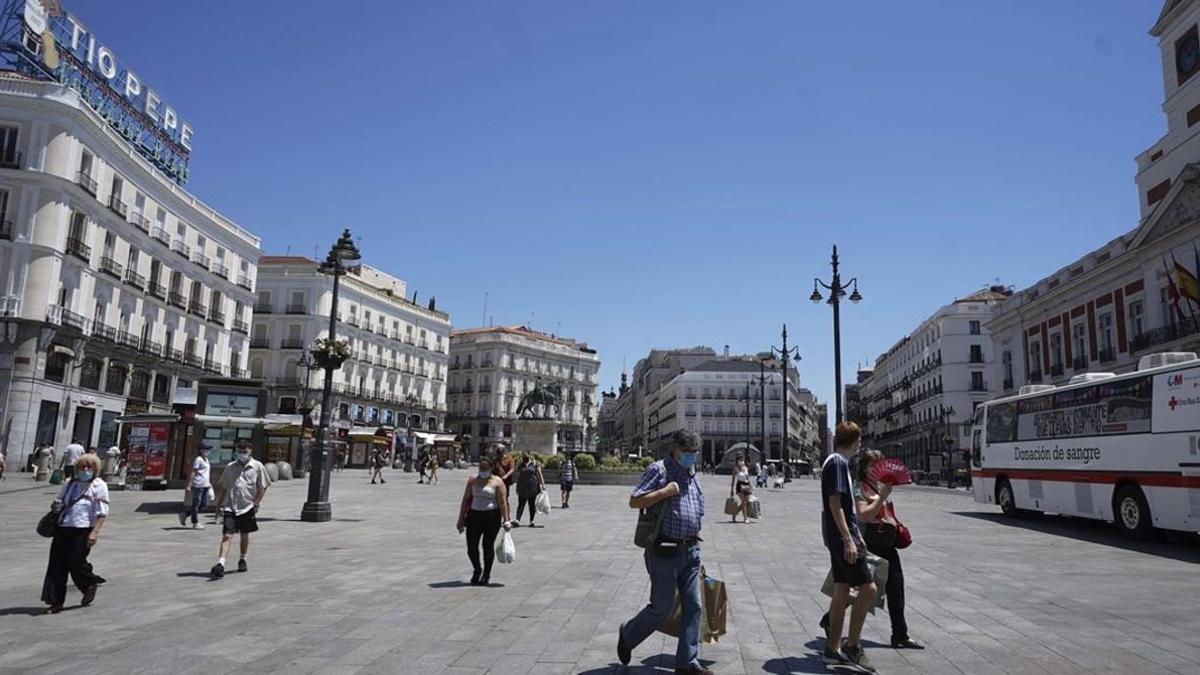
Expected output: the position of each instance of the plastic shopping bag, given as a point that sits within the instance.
(542, 503)
(879, 573)
(506, 550)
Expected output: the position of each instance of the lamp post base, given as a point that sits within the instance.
(316, 512)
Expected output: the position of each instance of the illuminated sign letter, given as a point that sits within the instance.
(76, 31)
(107, 63)
(170, 121)
(152, 101)
(133, 86)
(185, 136)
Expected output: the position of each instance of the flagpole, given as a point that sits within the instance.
(1191, 311)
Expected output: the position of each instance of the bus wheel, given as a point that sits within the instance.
(1132, 513)
(1005, 497)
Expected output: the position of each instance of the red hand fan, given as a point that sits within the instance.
(890, 472)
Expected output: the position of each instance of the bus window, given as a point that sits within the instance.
(977, 448)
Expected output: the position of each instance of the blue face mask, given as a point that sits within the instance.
(85, 476)
(688, 459)
(484, 475)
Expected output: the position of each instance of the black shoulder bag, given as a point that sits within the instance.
(648, 524)
(49, 522)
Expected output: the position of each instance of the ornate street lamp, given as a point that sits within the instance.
(836, 291)
(783, 353)
(305, 409)
(317, 508)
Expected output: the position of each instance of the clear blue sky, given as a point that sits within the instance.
(660, 174)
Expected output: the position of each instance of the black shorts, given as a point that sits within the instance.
(244, 524)
(566, 485)
(844, 573)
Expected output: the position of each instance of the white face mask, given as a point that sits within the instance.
(243, 457)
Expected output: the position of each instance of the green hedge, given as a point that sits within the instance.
(585, 462)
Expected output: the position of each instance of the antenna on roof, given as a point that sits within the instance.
(485, 301)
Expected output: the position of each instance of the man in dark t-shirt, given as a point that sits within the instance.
(847, 552)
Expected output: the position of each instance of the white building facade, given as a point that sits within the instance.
(116, 285)
(925, 388)
(1134, 295)
(492, 368)
(397, 373)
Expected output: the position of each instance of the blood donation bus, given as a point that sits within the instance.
(1124, 448)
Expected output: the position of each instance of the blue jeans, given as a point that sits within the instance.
(199, 501)
(679, 572)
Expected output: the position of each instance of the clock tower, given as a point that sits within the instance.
(1178, 33)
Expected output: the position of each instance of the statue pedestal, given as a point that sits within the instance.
(540, 436)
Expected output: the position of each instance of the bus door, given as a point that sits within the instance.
(977, 483)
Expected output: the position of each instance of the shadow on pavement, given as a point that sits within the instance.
(458, 583)
(27, 611)
(207, 576)
(660, 663)
(1183, 546)
(156, 508)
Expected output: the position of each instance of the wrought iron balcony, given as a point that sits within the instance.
(979, 386)
(262, 308)
(86, 182)
(175, 355)
(182, 248)
(10, 159)
(216, 316)
(212, 366)
(201, 259)
(161, 236)
(178, 299)
(1175, 330)
(73, 319)
(297, 308)
(240, 326)
(291, 343)
(220, 270)
(104, 332)
(195, 360)
(198, 308)
(151, 347)
(141, 221)
(244, 282)
(134, 279)
(127, 339)
(1008, 384)
(157, 290)
(260, 343)
(117, 206)
(77, 248)
(111, 267)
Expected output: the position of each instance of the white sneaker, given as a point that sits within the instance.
(198, 526)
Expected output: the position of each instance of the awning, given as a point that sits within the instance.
(148, 417)
(428, 438)
(364, 433)
(232, 421)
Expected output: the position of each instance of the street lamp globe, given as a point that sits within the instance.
(816, 294)
(345, 250)
(855, 297)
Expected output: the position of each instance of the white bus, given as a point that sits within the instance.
(1123, 448)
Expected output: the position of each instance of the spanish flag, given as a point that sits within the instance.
(1187, 283)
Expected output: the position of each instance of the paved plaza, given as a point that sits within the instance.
(382, 589)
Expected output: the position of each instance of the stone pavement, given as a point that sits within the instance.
(380, 590)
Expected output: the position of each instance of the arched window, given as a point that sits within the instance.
(89, 373)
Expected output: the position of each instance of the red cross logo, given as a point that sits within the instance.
(1173, 403)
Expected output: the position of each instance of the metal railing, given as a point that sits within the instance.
(240, 326)
(244, 281)
(86, 182)
(198, 308)
(73, 319)
(117, 206)
(260, 343)
(1107, 355)
(128, 339)
(157, 290)
(77, 248)
(262, 308)
(216, 316)
(177, 299)
(1035, 376)
(291, 343)
(296, 308)
(201, 259)
(141, 221)
(220, 270)
(1175, 330)
(181, 247)
(111, 267)
(1080, 362)
(161, 236)
(134, 279)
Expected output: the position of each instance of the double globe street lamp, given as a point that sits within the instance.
(837, 290)
(330, 358)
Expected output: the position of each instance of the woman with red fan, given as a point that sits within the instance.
(880, 529)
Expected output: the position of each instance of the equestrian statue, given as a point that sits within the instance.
(547, 396)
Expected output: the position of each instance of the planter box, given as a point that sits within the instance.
(596, 477)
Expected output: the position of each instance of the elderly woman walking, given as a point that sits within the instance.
(83, 507)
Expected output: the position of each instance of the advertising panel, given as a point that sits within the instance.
(1177, 401)
(231, 405)
(135, 471)
(156, 451)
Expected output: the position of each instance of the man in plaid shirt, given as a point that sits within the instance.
(673, 563)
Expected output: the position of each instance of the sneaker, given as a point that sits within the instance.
(906, 643)
(242, 565)
(515, 523)
(835, 658)
(183, 518)
(217, 571)
(624, 653)
(858, 658)
(197, 526)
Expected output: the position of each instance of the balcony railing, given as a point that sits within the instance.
(195, 360)
(262, 308)
(175, 355)
(104, 332)
(86, 182)
(1175, 330)
(10, 160)
(212, 366)
(127, 339)
(201, 259)
(182, 248)
(161, 236)
(244, 282)
(10, 305)
(73, 319)
(77, 248)
(291, 343)
(141, 221)
(979, 386)
(157, 290)
(297, 308)
(6, 230)
(117, 206)
(240, 326)
(134, 279)
(220, 270)
(198, 308)
(111, 267)
(260, 343)
(217, 316)
(178, 299)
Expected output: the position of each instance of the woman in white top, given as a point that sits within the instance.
(739, 484)
(83, 501)
(199, 485)
(483, 512)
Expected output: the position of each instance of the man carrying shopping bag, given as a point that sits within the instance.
(672, 558)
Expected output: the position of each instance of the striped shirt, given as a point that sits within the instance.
(566, 472)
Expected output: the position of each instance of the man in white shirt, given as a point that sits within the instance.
(71, 454)
(239, 492)
(198, 485)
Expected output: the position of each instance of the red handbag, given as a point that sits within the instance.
(903, 536)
